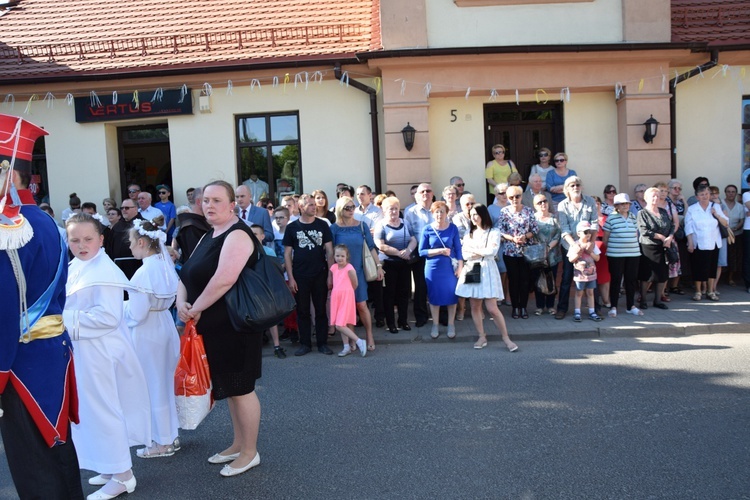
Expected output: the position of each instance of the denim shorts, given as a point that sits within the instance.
(585, 285)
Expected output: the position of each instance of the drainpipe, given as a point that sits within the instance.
(673, 102)
(373, 124)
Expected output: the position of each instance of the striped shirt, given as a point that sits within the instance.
(623, 236)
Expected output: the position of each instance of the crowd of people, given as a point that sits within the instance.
(359, 260)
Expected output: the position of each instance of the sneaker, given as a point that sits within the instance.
(362, 346)
(594, 317)
(577, 317)
(345, 351)
(279, 352)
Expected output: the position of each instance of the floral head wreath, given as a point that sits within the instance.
(157, 234)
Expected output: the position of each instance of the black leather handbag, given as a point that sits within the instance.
(474, 275)
(260, 298)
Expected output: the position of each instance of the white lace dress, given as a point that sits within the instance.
(481, 247)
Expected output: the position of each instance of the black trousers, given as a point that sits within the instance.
(315, 288)
(38, 471)
(420, 292)
(375, 296)
(519, 276)
(397, 291)
(626, 269)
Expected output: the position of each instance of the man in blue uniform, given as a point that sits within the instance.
(37, 382)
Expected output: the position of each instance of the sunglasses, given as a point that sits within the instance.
(126, 208)
(514, 197)
(425, 191)
(677, 188)
(460, 185)
(543, 155)
(501, 193)
(349, 208)
(540, 202)
(560, 160)
(611, 191)
(162, 192)
(498, 152)
(134, 190)
(575, 185)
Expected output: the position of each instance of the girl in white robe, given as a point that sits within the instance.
(153, 332)
(113, 398)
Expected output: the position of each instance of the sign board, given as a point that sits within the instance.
(125, 108)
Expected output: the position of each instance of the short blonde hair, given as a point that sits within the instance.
(390, 201)
(514, 190)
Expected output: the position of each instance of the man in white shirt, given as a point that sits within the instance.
(416, 218)
(367, 211)
(147, 211)
(258, 188)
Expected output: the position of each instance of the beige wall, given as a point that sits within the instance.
(709, 128)
(565, 23)
(457, 148)
(334, 129)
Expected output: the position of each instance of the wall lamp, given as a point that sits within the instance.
(651, 127)
(408, 133)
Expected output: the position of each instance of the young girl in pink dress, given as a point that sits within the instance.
(343, 307)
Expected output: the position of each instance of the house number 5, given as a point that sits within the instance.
(453, 115)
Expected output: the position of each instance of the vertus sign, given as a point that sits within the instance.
(126, 109)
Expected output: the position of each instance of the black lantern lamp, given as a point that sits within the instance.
(408, 133)
(651, 127)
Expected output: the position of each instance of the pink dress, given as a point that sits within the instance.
(343, 306)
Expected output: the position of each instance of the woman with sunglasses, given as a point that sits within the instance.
(556, 178)
(518, 227)
(498, 169)
(549, 234)
(608, 205)
(543, 167)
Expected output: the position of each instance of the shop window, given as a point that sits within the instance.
(268, 154)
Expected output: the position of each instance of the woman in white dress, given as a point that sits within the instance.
(479, 247)
(153, 332)
(113, 396)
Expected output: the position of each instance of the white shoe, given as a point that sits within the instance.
(435, 333)
(362, 346)
(222, 459)
(100, 480)
(345, 351)
(129, 486)
(229, 471)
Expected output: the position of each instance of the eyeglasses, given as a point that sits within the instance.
(575, 185)
(162, 192)
(349, 208)
(543, 155)
(425, 191)
(677, 188)
(611, 191)
(540, 202)
(501, 193)
(560, 160)
(125, 208)
(514, 197)
(469, 204)
(498, 152)
(134, 190)
(460, 185)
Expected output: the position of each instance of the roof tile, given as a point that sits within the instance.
(717, 22)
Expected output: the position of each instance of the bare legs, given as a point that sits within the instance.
(364, 315)
(245, 413)
(497, 316)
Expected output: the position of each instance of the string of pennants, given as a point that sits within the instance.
(305, 79)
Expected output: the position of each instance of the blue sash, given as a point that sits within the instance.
(39, 308)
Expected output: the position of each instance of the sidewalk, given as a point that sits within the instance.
(684, 317)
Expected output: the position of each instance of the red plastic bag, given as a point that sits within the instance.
(192, 380)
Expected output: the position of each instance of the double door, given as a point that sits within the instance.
(523, 130)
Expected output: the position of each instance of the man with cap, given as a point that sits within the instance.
(37, 381)
(168, 209)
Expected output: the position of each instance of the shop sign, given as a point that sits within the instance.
(124, 108)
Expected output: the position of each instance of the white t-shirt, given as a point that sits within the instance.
(745, 199)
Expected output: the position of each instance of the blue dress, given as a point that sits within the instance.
(438, 270)
(351, 236)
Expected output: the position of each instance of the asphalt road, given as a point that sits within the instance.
(615, 418)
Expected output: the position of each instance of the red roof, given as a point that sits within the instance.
(718, 22)
(65, 38)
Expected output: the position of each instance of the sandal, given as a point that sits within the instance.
(156, 451)
(370, 347)
(677, 291)
(664, 298)
(713, 296)
(635, 311)
(697, 296)
(612, 312)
